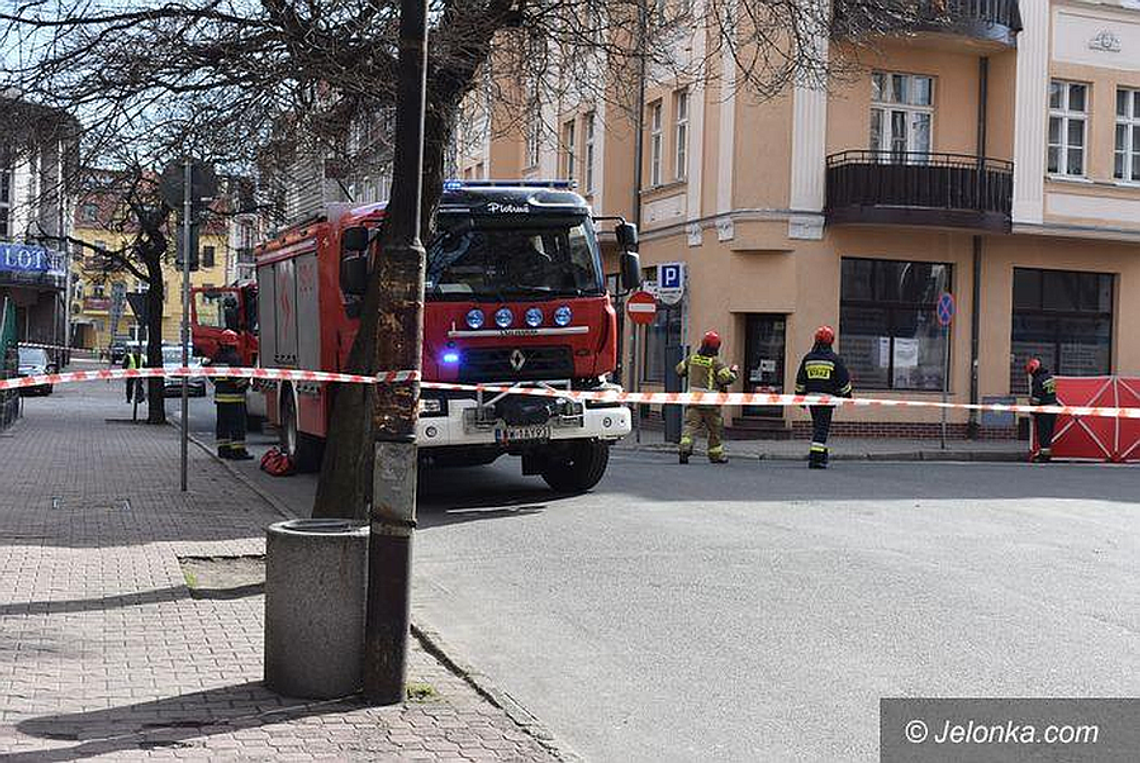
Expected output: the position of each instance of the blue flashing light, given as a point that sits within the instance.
(504, 317)
(452, 185)
(563, 316)
(475, 318)
(451, 357)
(533, 317)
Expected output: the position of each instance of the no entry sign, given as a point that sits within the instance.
(641, 307)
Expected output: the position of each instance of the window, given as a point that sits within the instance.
(902, 116)
(533, 135)
(568, 144)
(680, 134)
(888, 322)
(1068, 116)
(207, 256)
(1127, 164)
(99, 291)
(89, 213)
(479, 171)
(5, 193)
(655, 144)
(589, 168)
(665, 331)
(1064, 318)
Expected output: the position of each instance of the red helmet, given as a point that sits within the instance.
(1032, 366)
(711, 340)
(825, 335)
(228, 339)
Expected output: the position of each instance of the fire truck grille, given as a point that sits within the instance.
(491, 364)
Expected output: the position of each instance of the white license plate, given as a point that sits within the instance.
(506, 435)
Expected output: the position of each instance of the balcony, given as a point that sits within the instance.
(995, 22)
(944, 190)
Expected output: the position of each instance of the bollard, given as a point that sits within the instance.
(316, 581)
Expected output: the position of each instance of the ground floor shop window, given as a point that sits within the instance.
(1065, 319)
(888, 325)
(665, 331)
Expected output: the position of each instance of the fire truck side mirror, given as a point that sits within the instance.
(627, 236)
(630, 271)
(354, 239)
(354, 274)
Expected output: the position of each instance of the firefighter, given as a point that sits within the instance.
(229, 400)
(822, 373)
(134, 359)
(1042, 391)
(707, 373)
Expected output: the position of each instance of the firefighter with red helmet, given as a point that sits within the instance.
(706, 373)
(822, 373)
(229, 401)
(1042, 391)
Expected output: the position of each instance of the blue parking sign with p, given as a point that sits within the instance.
(671, 275)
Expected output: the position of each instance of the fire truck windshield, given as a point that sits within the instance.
(497, 260)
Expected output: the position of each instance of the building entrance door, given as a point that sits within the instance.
(764, 360)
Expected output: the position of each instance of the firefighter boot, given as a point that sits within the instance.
(817, 457)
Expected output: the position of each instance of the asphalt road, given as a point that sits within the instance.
(758, 611)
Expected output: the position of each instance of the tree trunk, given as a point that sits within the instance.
(156, 404)
(345, 487)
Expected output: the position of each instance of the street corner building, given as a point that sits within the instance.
(993, 154)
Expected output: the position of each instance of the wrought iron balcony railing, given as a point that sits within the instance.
(919, 188)
(996, 21)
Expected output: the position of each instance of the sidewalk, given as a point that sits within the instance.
(848, 448)
(105, 652)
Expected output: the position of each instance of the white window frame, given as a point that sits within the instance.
(588, 170)
(1126, 152)
(886, 104)
(681, 134)
(534, 136)
(1059, 110)
(568, 130)
(656, 140)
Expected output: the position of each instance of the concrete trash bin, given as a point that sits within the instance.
(316, 580)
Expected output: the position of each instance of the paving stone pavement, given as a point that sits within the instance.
(105, 655)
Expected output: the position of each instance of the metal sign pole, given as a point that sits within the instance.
(945, 377)
(635, 379)
(186, 208)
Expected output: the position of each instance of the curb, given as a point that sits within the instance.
(430, 640)
(435, 645)
(972, 456)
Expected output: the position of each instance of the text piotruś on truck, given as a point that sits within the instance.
(515, 295)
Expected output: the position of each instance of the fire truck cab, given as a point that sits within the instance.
(515, 295)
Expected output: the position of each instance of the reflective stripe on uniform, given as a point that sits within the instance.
(228, 397)
(818, 447)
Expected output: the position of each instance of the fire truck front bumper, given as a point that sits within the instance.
(517, 422)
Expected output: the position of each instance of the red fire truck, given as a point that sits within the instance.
(515, 294)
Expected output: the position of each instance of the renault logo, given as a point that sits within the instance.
(518, 360)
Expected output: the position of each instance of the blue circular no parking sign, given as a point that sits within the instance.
(946, 308)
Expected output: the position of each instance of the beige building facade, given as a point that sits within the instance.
(994, 155)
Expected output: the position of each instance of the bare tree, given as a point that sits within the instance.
(251, 67)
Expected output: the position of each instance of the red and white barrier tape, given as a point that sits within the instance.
(387, 377)
(759, 398)
(602, 396)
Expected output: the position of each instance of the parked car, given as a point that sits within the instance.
(172, 385)
(118, 351)
(34, 361)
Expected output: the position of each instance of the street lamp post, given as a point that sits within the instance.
(399, 275)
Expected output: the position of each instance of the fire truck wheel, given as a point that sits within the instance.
(584, 468)
(304, 449)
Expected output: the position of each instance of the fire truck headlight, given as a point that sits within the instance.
(563, 316)
(534, 317)
(504, 317)
(475, 318)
